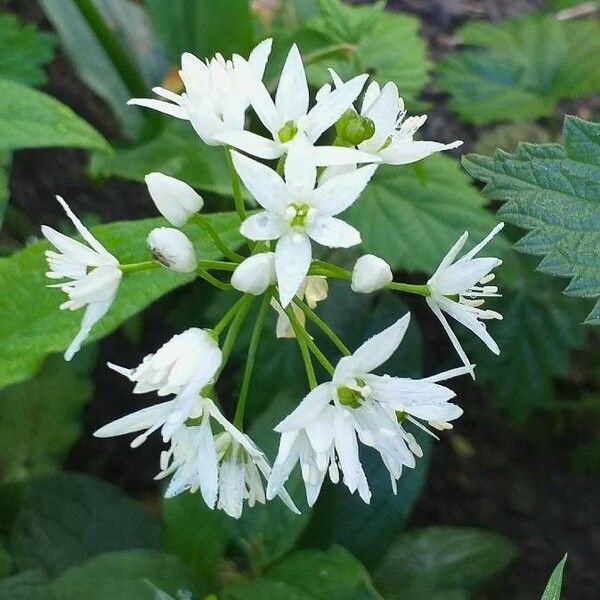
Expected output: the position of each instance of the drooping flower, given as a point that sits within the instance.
(323, 432)
(296, 212)
(370, 274)
(216, 92)
(460, 287)
(175, 200)
(93, 272)
(288, 118)
(173, 249)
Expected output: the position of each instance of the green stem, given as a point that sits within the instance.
(335, 271)
(203, 223)
(141, 266)
(228, 316)
(235, 186)
(234, 330)
(421, 290)
(314, 317)
(226, 287)
(304, 351)
(217, 265)
(238, 419)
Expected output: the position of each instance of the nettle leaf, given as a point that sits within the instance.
(176, 151)
(31, 119)
(521, 68)
(41, 420)
(554, 192)
(441, 560)
(412, 221)
(23, 51)
(27, 336)
(131, 575)
(67, 518)
(554, 587)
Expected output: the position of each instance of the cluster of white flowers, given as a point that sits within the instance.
(300, 198)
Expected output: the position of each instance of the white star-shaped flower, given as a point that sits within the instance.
(460, 287)
(323, 432)
(93, 271)
(296, 212)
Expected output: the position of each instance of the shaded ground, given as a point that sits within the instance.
(487, 475)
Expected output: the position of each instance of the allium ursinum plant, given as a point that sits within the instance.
(301, 198)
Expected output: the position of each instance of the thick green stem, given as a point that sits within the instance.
(304, 352)
(217, 265)
(336, 272)
(235, 186)
(410, 288)
(238, 419)
(203, 223)
(314, 317)
(141, 266)
(226, 287)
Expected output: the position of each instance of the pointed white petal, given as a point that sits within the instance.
(293, 255)
(206, 463)
(263, 225)
(300, 169)
(93, 313)
(486, 240)
(137, 421)
(450, 256)
(404, 152)
(333, 233)
(291, 98)
(307, 411)
(168, 108)
(328, 156)
(287, 457)
(460, 276)
(383, 111)
(252, 143)
(259, 56)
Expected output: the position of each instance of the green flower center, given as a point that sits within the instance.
(300, 214)
(350, 397)
(287, 132)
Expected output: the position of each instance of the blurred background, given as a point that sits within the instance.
(522, 462)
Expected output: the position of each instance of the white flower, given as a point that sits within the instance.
(175, 200)
(255, 274)
(216, 92)
(370, 274)
(173, 249)
(392, 141)
(94, 273)
(322, 433)
(459, 288)
(296, 212)
(183, 366)
(289, 119)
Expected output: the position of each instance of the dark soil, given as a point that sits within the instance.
(487, 474)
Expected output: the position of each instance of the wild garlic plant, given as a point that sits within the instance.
(302, 187)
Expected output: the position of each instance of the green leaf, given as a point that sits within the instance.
(398, 214)
(437, 560)
(259, 589)
(507, 137)
(31, 119)
(29, 585)
(27, 336)
(554, 192)
(128, 575)
(5, 561)
(197, 26)
(23, 51)
(69, 517)
(554, 587)
(195, 533)
(522, 67)
(176, 151)
(5, 161)
(41, 420)
(384, 43)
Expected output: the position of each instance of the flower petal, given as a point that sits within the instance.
(93, 313)
(460, 276)
(307, 411)
(252, 143)
(291, 98)
(263, 226)
(404, 152)
(333, 233)
(168, 108)
(137, 421)
(259, 56)
(207, 465)
(328, 156)
(292, 260)
(383, 111)
(300, 169)
(486, 240)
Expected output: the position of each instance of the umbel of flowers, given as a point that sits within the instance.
(303, 186)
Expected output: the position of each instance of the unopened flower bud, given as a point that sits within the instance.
(255, 274)
(370, 274)
(352, 129)
(175, 200)
(172, 249)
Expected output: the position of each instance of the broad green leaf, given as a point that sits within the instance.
(554, 587)
(29, 585)
(413, 223)
(198, 26)
(195, 533)
(5, 161)
(128, 575)
(521, 68)
(554, 192)
(27, 336)
(69, 517)
(434, 560)
(41, 420)
(23, 51)
(259, 589)
(176, 151)
(31, 119)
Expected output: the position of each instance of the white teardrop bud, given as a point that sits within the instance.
(370, 274)
(255, 274)
(172, 249)
(175, 200)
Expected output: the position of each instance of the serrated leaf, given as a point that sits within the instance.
(412, 223)
(438, 560)
(128, 575)
(23, 51)
(27, 336)
(554, 587)
(69, 517)
(41, 420)
(554, 192)
(29, 585)
(521, 68)
(31, 119)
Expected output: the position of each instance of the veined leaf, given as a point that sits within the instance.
(554, 192)
(554, 587)
(23, 51)
(31, 119)
(521, 68)
(27, 336)
(412, 223)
